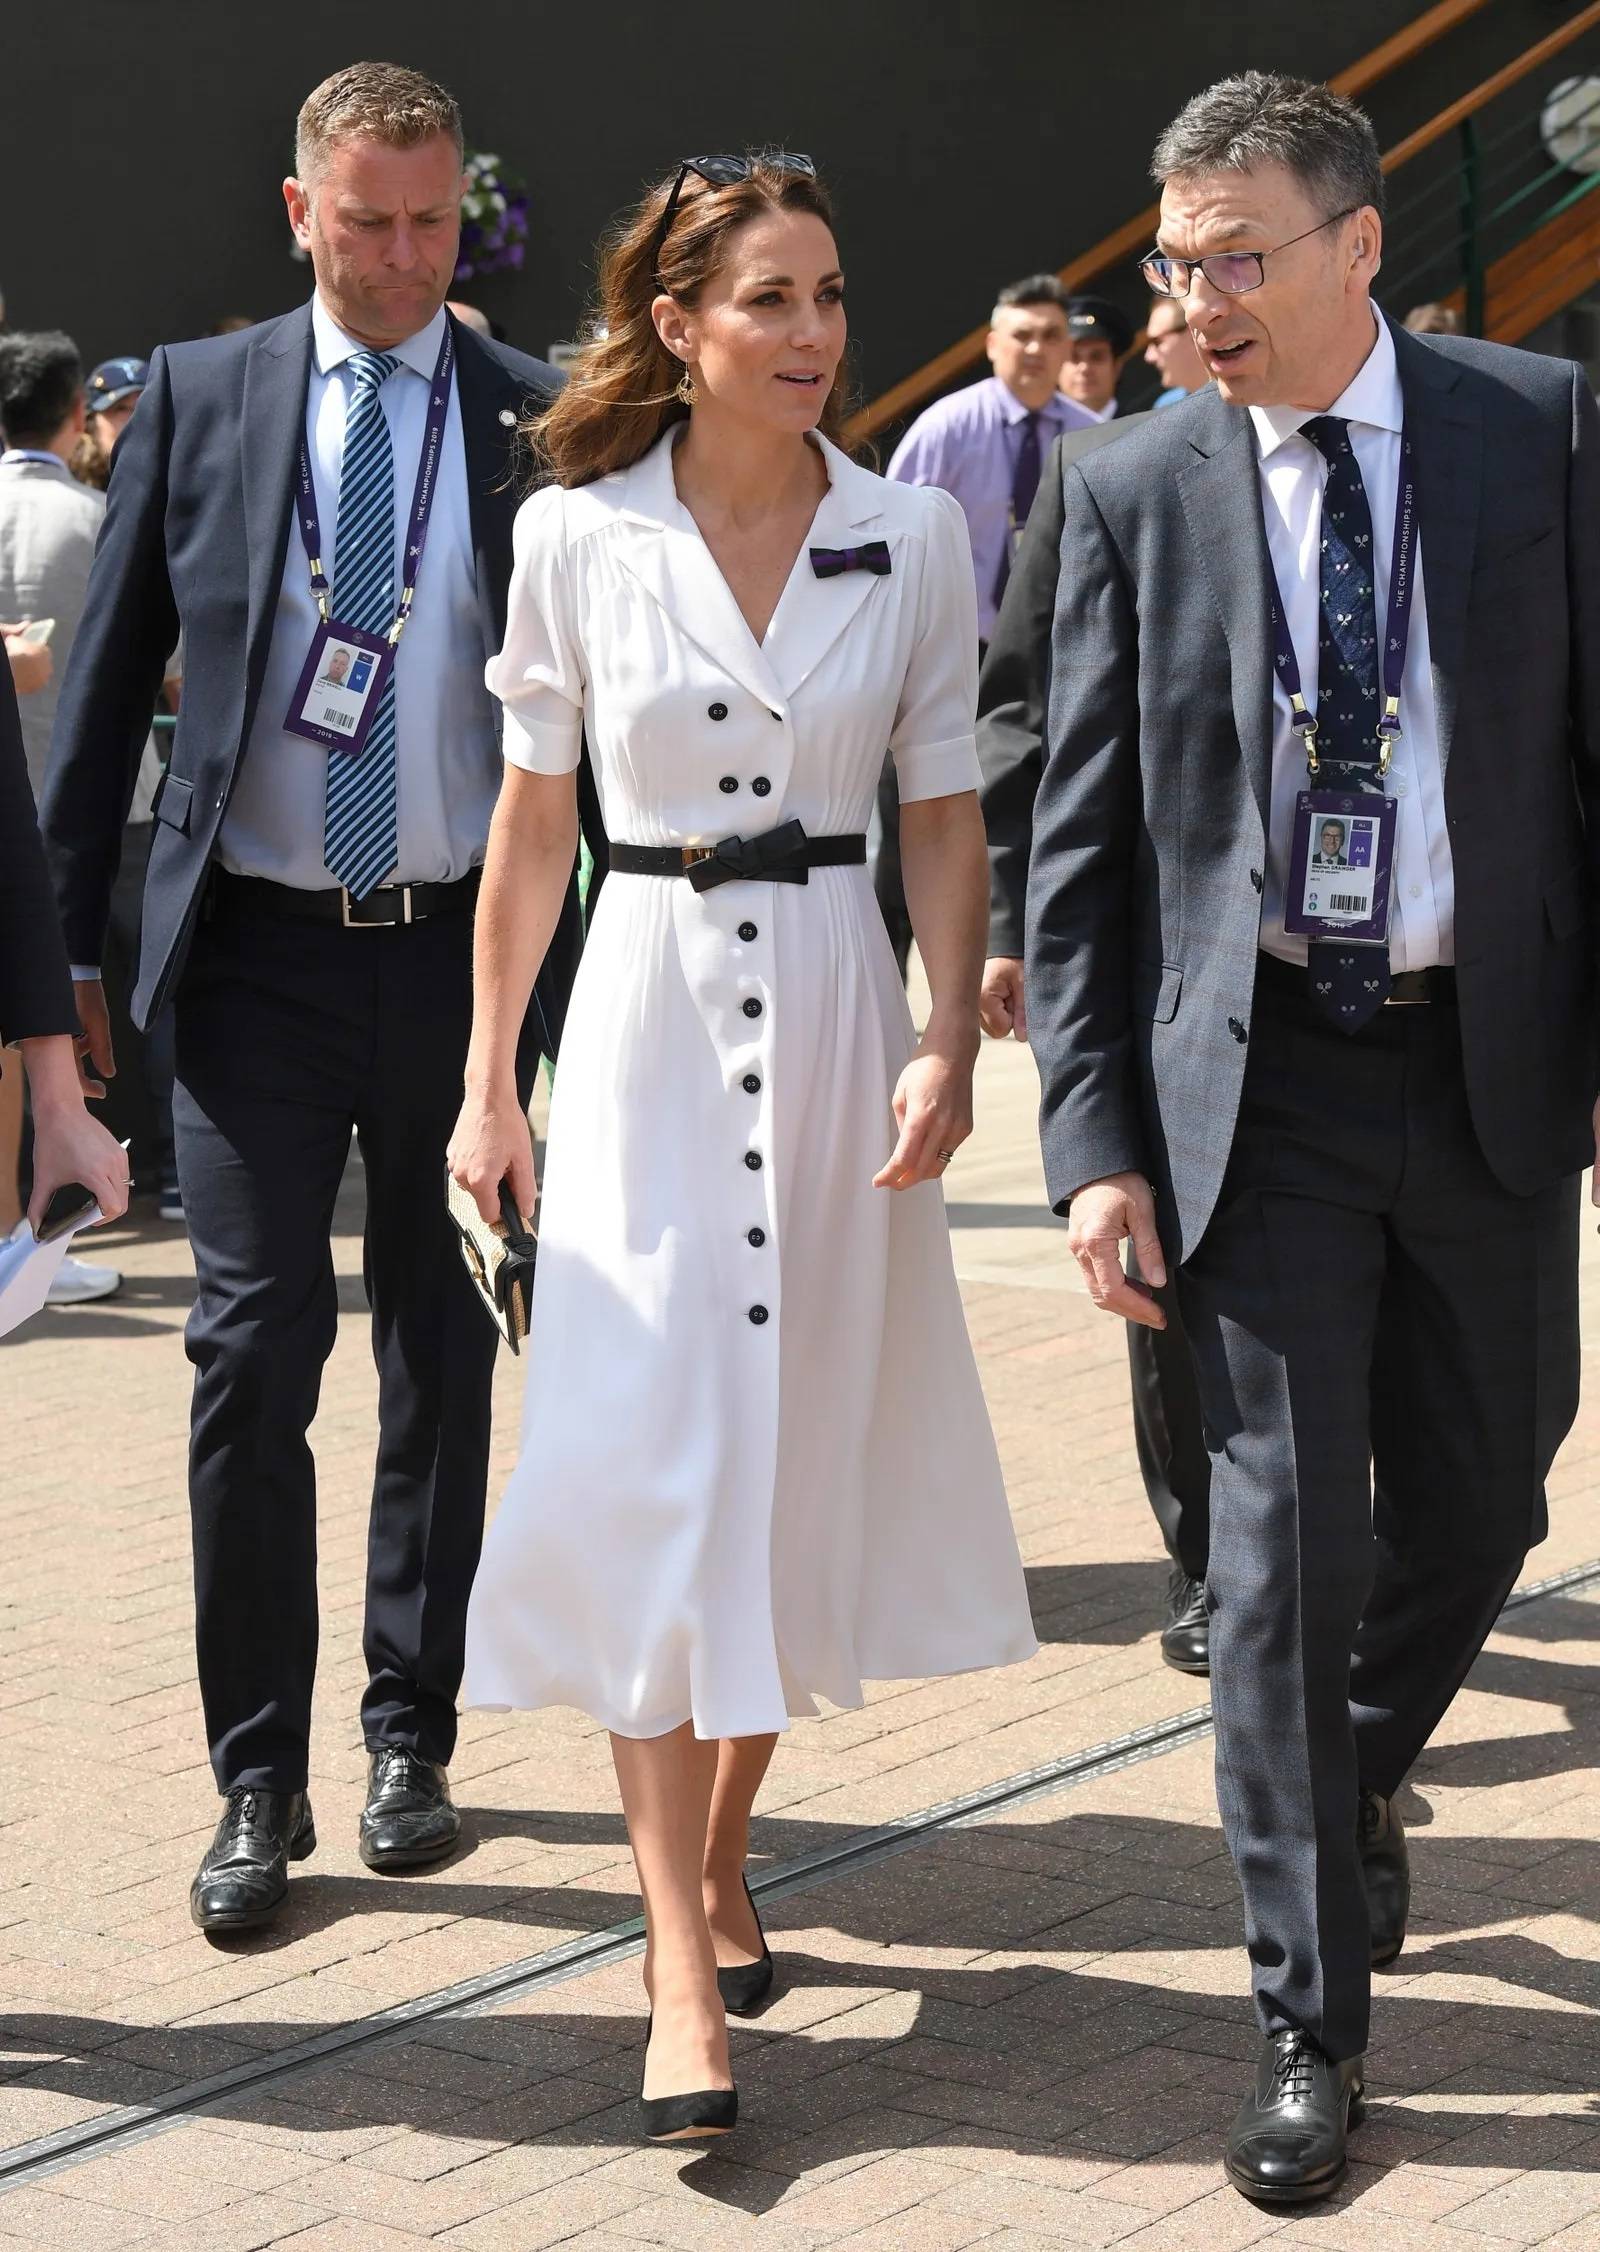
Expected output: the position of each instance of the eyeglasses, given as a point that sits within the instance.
(721, 172)
(1233, 272)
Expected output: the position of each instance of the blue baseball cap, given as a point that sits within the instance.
(113, 381)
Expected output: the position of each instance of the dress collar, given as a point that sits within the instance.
(1372, 396)
(331, 347)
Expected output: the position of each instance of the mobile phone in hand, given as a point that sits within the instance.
(72, 1206)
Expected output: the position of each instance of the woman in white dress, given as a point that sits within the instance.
(757, 1465)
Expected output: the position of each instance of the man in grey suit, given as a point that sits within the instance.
(1013, 690)
(1357, 1152)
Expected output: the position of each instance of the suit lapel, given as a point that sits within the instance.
(1221, 495)
(1447, 437)
(488, 394)
(271, 426)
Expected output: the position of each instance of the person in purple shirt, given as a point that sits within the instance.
(987, 443)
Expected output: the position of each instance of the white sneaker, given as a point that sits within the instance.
(78, 1282)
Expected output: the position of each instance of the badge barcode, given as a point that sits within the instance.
(1346, 903)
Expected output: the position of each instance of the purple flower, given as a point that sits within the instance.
(514, 254)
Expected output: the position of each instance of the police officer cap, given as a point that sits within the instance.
(113, 381)
(1091, 317)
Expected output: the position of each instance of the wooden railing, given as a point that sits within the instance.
(1128, 240)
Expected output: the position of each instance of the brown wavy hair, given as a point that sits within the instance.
(621, 392)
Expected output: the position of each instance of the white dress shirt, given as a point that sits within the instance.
(1293, 475)
(446, 735)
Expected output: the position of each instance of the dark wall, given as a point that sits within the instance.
(141, 149)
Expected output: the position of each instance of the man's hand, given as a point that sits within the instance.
(94, 1041)
(31, 662)
(1104, 1215)
(1001, 1002)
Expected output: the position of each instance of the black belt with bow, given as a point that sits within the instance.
(785, 855)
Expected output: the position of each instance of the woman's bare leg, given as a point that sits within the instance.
(742, 1763)
(667, 1784)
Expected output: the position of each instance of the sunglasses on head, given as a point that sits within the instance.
(721, 172)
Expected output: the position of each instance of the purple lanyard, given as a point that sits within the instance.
(421, 499)
(1402, 581)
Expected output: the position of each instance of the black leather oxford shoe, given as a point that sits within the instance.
(408, 1819)
(1186, 1637)
(244, 1879)
(1287, 2144)
(1386, 1869)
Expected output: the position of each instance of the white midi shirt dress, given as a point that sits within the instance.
(757, 1469)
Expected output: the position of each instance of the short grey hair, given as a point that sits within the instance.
(1262, 117)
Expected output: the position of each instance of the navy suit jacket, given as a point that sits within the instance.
(197, 527)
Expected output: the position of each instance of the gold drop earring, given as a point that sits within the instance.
(685, 390)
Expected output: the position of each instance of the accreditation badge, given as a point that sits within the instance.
(340, 687)
(1341, 866)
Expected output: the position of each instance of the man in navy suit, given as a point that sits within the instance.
(344, 470)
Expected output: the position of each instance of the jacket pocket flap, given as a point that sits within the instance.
(1156, 986)
(173, 801)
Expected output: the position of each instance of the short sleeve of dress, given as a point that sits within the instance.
(935, 754)
(538, 675)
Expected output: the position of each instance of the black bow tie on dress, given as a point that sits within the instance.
(828, 562)
(777, 856)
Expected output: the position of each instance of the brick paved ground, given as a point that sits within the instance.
(1024, 2033)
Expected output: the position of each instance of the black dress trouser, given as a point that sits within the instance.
(1386, 1341)
(291, 1035)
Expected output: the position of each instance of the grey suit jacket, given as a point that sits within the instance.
(1144, 890)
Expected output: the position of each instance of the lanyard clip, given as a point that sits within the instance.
(1389, 732)
(1305, 726)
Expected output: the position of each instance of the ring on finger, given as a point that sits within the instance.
(944, 1155)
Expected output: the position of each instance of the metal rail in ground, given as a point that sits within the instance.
(592, 1951)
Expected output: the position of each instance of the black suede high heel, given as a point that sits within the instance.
(691, 2118)
(744, 1986)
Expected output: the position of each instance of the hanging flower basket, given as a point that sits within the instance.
(494, 218)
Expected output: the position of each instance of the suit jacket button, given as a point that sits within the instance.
(752, 1008)
(777, 715)
(758, 1315)
(718, 711)
(752, 1158)
(748, 931)
(756, 1237)
(1237, 1029)
(728, 784)
(1255, 877)
(761, 786)
(752, 1085)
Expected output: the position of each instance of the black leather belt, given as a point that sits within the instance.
(390, 907)
(1408, 989)
(784, 855)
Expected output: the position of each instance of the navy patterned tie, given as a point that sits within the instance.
(360, 833)
(1349, 984)
(1024, 491)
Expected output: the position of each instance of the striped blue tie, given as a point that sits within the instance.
(360, 832)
